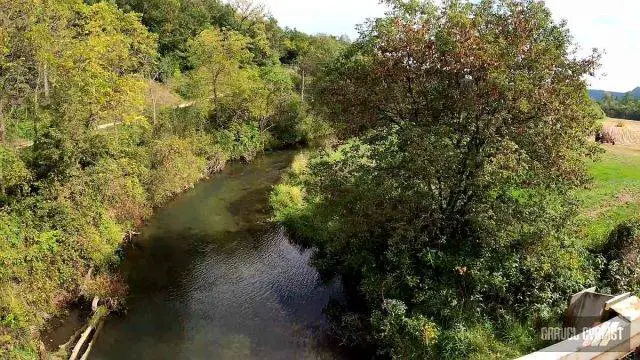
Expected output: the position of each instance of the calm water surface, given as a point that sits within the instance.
(211, 279)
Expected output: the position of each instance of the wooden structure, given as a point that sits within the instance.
(614, 338)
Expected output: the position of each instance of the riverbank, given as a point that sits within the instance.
(130, 248)
(64, 243)
(211, 277)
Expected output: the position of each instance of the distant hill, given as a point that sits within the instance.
(599, 94)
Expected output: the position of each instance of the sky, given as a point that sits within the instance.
(612, 26)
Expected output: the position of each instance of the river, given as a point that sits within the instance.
(210, 278)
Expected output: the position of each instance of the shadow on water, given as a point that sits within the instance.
(210, 278)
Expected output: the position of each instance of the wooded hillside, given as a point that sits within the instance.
(109, 109)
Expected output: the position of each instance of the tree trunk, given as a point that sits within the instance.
(76, 349)
(303, 84)
(46, 83)
(93, 340)
(155, 102)
(90, 334)
(2, 127)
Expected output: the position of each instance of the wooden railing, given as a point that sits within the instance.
(613, 339)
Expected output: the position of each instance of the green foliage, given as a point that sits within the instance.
(13, 171)
(465, 128)
(18, 53)
(625, 107)
(74, 79)
(622, 255)
(409, 337)
(176, 21)
(230, 89)
(477, 341)
(111, 53)
(174, 167)
(54, 155)
(241, 141)
(286, 201)
(119, 183)
(315, 132)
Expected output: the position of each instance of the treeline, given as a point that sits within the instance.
(447, 209)
(90, 142)
(626, 107)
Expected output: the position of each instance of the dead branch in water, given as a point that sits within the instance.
(89, 335)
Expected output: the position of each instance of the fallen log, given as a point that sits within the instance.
(93, 340)
(89, 334)
(63, 350)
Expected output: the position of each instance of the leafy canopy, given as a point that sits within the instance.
(469, 121)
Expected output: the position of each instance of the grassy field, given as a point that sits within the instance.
(614, 195)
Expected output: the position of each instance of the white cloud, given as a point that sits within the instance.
(610, 25)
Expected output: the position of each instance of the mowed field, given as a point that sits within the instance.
(625, 132)
(614, 194)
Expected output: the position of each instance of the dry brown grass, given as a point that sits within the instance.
(625, 132)
(163, 95)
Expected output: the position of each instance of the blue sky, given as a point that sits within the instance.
(611, 26)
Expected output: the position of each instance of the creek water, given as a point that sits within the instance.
(210, 278)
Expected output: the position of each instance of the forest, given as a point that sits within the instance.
(625, 107)
(443, 150)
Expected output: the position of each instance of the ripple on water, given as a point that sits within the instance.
(213, 281)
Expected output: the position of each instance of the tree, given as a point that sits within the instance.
(321, 50)
(253, 22)
(12, 170)
(176, 21)
(109, 58)
(72, 67)
(309, 54)
(627, 107)
(17, 58)
(471, 123)
(216, 56)
(275, 87)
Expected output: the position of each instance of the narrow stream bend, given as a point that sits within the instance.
(211, 279)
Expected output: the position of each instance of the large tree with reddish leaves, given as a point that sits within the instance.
(472, 122)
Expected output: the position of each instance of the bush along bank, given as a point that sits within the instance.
(61, 236)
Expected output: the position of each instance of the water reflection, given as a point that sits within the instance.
(210, 279)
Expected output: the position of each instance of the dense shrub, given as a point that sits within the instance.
(287, 201)
(53, 155)
(241, 141)
(366, 227)
(207, 147)
(13, 171)
(621, 272)
(119, 186)
(406, 337)
(174, 168)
